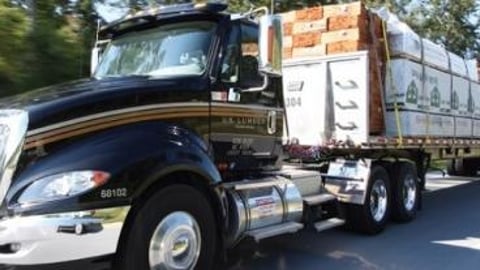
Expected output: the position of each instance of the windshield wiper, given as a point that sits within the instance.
(120, 76)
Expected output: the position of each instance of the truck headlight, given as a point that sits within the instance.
(62, 186)
(13, 127)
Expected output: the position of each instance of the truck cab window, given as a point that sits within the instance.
(230, 64)
(239, 68)
(177, 49)
(249, 75)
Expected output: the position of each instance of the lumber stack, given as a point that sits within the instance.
(432, 92)
(337, 29)
(326, 30)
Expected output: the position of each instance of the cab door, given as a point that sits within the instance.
(246, 123)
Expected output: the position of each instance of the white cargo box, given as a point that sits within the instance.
(457, 65)
(420, 124)
(406, 44)
(475, 92)
(435, 55)
(440, 125)
(306, 101)
(351, 97)
(412, 123)
(476, 128)
(324, 101)
(463, 127)
(460, 96)
(437, 90)
(407, 87)
(472, 67)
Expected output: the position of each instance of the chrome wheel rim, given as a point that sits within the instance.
(378, 200)
(409, 193)
(175, 243)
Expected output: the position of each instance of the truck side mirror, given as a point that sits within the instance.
(270, 44)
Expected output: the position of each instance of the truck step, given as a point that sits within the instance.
(261, 183)
(318, 199)
(284, 228)
(328, 224)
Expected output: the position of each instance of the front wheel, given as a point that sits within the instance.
(174, 229)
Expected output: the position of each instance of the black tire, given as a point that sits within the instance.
(405, 174)
(451, 168)
(134, 254)
(360, 217)
(465, 167)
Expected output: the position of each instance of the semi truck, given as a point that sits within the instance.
(173, 153)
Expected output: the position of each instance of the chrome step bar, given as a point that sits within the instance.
(318, 199)
(254, 184)
(267, 232)
(328, 224)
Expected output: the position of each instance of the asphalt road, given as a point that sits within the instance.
(445, 235)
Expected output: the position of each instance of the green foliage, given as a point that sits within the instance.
(454, 24)
(13, 34)
(54, 51)
(43, 42)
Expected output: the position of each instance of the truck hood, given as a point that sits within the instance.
(88, 96)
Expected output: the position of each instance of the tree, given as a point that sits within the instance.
(454, 24)
(54, 54)
(13, 34)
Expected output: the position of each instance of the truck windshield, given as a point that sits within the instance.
(176, 49)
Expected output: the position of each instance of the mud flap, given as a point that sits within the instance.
(348, 180)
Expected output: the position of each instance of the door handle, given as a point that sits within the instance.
(348, 85)
(272, 122)
(352, 106)
(351, 126)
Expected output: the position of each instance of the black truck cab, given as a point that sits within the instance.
(176, 107)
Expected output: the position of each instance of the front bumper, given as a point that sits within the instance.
(56, 238)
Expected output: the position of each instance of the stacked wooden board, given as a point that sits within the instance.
(427, 91)
(335, 29)
(320, 31)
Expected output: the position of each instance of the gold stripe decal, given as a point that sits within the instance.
(102, 121)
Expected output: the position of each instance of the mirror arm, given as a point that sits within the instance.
(258, 89)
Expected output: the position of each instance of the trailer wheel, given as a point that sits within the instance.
(463, 167)
(372, 216)
(451, 168)
(175, 229)
(405, 192)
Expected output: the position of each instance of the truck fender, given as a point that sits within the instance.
(136, 156)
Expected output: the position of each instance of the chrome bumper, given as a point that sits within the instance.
(61, 237)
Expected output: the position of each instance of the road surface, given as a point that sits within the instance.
(445, 235)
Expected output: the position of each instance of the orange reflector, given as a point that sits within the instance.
(100, 178)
